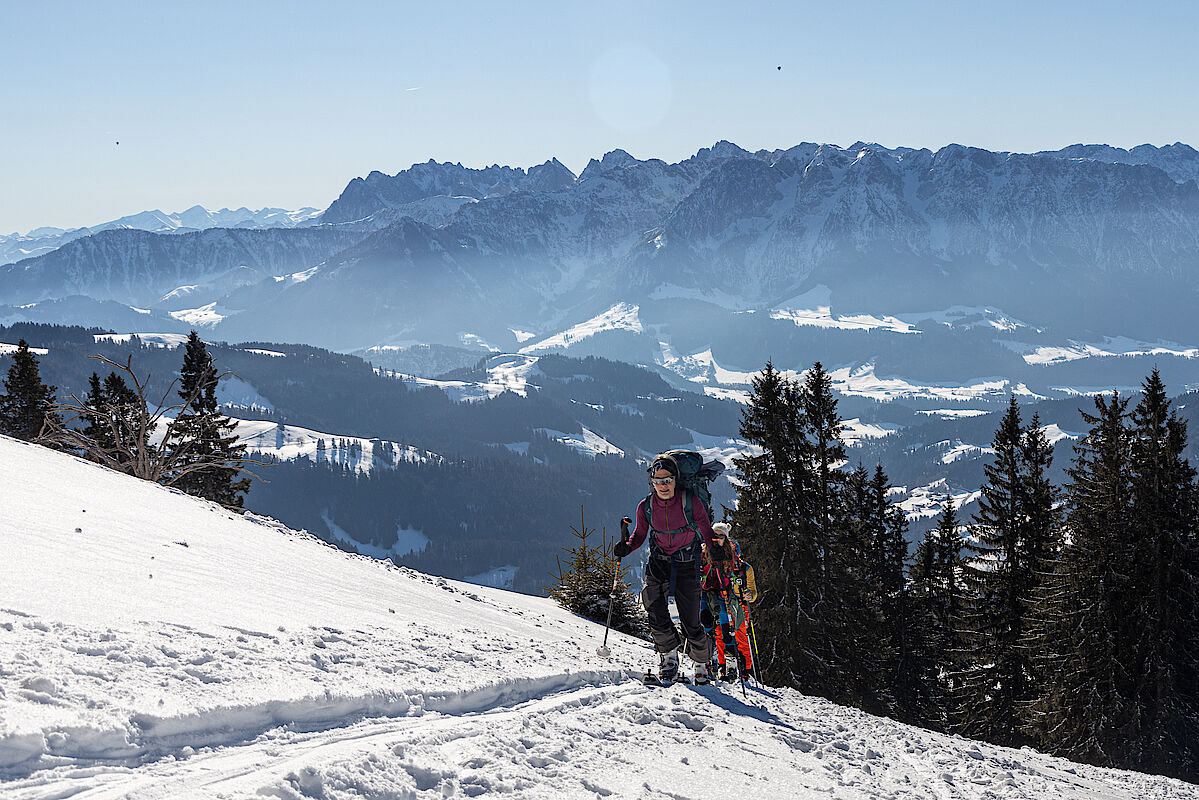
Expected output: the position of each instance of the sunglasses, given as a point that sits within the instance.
(669, 479)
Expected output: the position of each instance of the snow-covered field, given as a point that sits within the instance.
(587, 442)
(813, 309)
(1110, 347)
(153, 645)
(620, 317)
(290, 442)
(928, 501)
(9, 349)
(167, 340)
(505, 373)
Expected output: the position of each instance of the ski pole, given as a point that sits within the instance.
(736, 598)
(753, 634)
(736, 647)
(624, 537)
(753, 643)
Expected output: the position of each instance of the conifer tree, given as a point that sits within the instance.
(1015, 527)
(823, 427)
(824, 449)
(1085, 710)
(114, 414)
(909, 662)
(772, 518)
(857, 586)
(938, 593)
(883, 665)
(204, 435)
(27, 404)
(583, 584)
(1164, 569)
(1042, 543)
(95, 429)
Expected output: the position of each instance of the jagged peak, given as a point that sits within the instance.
(722, 149)
(801, 153)
(827, 154)
(615, 159)
(954, 152)
(874, 147)
(551, 176)
(552, 165)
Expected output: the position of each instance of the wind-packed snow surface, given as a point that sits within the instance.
(153, 645)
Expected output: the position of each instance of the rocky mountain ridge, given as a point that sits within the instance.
(17, 246)
(1087, 244)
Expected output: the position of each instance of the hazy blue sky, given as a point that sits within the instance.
(281, 104)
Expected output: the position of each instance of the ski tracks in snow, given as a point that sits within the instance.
(290, 762)
(599, 735)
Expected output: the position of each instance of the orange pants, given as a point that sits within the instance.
(742, 645)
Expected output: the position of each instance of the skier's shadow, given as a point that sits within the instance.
(733, 705)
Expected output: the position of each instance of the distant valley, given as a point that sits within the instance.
(931, 285)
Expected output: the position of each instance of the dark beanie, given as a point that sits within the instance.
(667, 464)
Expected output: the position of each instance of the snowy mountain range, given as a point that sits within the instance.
(18, 246)
(931, 285)
(155, 645)
(1046, 269)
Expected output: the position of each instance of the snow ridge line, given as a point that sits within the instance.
(145, 737)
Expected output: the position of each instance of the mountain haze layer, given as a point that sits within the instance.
(16, 246)
(1041, 265)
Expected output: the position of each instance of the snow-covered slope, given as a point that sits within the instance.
(353, 453)
(153, 645)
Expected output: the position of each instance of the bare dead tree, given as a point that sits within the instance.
(129, 448)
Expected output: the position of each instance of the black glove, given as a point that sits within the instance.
(621, 548)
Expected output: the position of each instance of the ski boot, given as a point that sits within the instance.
(728, 673)
(668, 666)
(703, 675)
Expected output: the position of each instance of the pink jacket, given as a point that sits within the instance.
(668, 516)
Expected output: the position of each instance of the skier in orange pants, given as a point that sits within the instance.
(739, 588)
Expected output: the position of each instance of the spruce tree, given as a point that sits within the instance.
(584, 583)
(824, 428)
(909, 662)
(1042, 543)
(772, 517)
(853, 610)
(1015, 529)
(929, 644)
(113, 418)
(203, 436)
(96, 428)
(1164, 570)
(1085, 710)
(27, 404)
(824, 449)
(938, 592)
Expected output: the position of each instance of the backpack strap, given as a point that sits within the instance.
(649, 517)
(649, 513)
